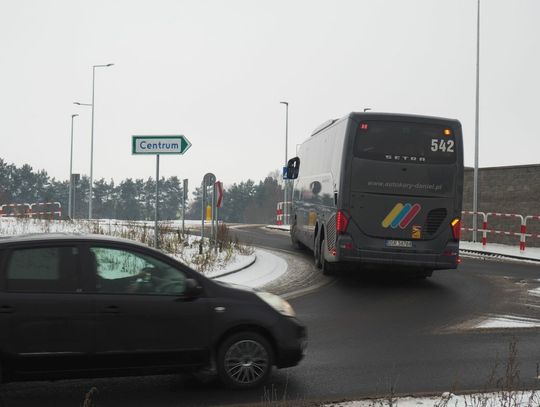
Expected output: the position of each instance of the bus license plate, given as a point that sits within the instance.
(398, 243)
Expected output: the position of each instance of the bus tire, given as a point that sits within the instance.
(295, 242)
(317, 251)
(327, 268)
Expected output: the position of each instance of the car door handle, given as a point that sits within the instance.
(111, 309)
(6, 309)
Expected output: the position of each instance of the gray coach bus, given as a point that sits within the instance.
(379, 189)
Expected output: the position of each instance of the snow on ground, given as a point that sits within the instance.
(508, 322)
(267, 268)
(535, 292)
(495, 248)
(499, 399)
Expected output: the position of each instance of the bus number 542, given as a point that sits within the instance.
(446, 146)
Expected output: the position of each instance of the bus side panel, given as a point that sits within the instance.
(318, 181)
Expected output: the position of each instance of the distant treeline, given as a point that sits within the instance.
(134, 199)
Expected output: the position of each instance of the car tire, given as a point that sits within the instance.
(244, 360)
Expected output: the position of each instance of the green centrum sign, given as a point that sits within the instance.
(160, 144)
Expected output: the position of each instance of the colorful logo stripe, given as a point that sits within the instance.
(401, 215)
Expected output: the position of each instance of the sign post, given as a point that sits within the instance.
(75, 178)
(157, 145)
(209, 179)
(218, 191)
(185, 197)
(157, 204)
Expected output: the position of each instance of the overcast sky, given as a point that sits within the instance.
(215, 71)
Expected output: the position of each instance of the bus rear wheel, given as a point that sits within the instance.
(317, 252)
(328, 268)
(295, 242)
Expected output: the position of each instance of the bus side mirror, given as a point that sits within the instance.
(293, 166)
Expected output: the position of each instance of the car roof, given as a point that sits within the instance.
(64, 237)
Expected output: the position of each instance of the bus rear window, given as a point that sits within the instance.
(405, 142)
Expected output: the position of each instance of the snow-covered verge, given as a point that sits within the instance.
(225, 257)
(496, 399)
(502, 249)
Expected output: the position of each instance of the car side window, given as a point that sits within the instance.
(43, 269)
(125, 272)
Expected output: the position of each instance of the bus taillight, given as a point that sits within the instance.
(456, 228)
(341, 222)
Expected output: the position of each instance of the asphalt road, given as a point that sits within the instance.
(368, 335)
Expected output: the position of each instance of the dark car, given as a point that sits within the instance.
(86, 306)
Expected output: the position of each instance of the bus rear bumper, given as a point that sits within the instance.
(428, 261)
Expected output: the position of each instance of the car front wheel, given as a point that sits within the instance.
(244, 360)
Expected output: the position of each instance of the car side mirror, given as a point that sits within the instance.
(193, 288)
(293, 166)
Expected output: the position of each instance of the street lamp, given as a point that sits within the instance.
(70, 214)
(285, 211)
(90, 190)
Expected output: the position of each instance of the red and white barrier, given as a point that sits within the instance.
(31, 210)
(15, 210)
(45, 209)
(484, 225)
(282, 218)
(522, 234)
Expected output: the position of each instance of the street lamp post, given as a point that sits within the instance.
(285, 211)
(476, 126)
(90, 190)
(70, 213)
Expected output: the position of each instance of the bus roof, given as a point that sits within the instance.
(378, 115)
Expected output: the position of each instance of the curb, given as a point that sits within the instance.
(237, 270)
(308, 290)
(497, 255)
(275, 227)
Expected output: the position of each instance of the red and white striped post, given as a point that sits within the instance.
(279, 214)
(484, 225)
(522, 229)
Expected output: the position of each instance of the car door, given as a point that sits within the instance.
(48, 319)
(142, 315)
